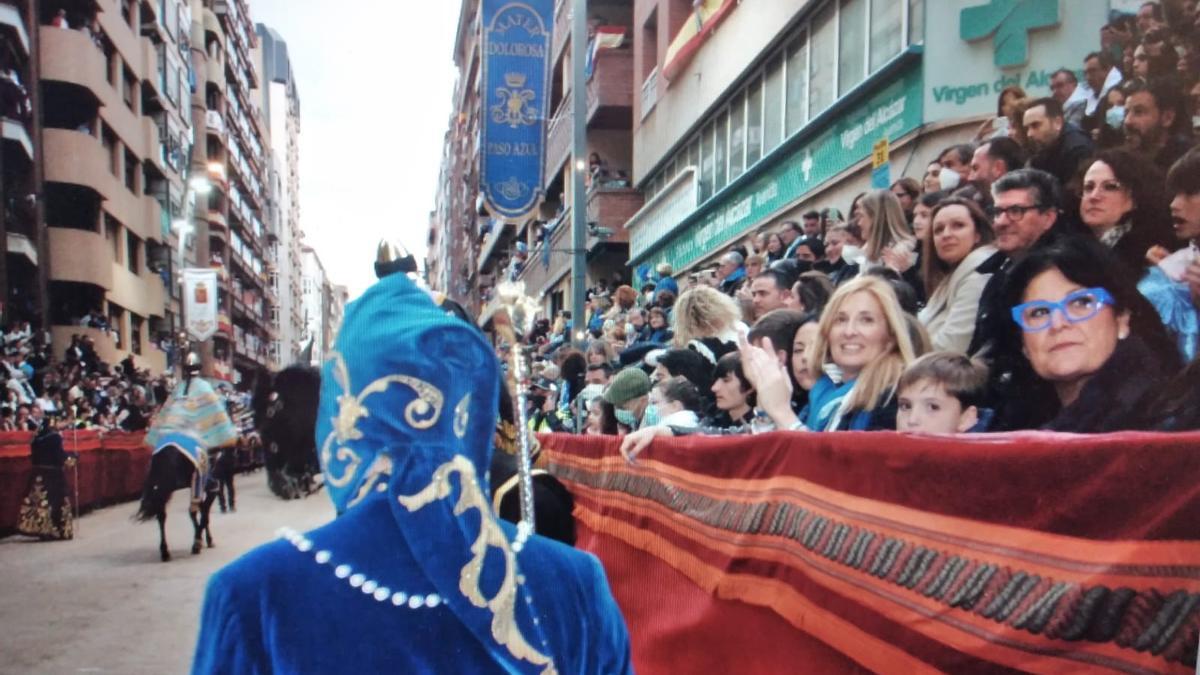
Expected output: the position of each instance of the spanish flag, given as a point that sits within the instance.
(706, 16)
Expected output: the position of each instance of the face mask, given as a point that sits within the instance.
(949, 179)
(650, 417)
(1115, 116)
(626, 418)
(853, 255)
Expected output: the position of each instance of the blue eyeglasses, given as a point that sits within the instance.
(1081, 305)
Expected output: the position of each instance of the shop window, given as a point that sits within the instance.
(754, 140)
(737, 137)
(852, 24)
(773, 105)
(824, 55)
(797, 85)
(886, 29)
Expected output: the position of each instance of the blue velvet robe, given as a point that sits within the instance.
(276, 610)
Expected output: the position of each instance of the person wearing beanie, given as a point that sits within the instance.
(629, 394)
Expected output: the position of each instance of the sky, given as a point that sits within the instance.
(375, 79)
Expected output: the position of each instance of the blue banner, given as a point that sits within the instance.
(516, 77)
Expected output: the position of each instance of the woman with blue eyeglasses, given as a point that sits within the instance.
(1087, 331)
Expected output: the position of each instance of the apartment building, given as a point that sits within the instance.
(481, 251)
(117, 133)
(234, 234)
(281, 108)
(22, 230)
(316, 300)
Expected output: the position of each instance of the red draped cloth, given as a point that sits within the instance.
(112, 467)
(838, 552)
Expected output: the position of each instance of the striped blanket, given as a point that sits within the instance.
(836, 552)
(195, 422)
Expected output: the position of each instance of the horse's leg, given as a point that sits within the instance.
(162, 534)
(194, 514)
(205, 522)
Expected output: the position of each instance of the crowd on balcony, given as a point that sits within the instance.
(1044, 276)
(86, 23)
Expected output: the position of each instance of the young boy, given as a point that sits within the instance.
(940, 393)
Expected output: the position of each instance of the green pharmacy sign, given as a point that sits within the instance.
(1008, 23)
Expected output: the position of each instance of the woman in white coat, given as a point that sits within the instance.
(957, 243)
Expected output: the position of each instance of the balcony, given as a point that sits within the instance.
(151, 357)
(649, 95)
(81, 256)
(610, 90)
(562, 27)
(79, 159)
(611, 208)
(558, 139)
(11, 22)
(141, 293)
(16, 132)
(498, 239)
(70, 56)
(538, 277)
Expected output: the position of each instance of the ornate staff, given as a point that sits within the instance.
(512, 322)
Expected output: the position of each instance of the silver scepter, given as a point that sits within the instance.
(516, 321)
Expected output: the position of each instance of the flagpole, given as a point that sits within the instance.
(579, 164)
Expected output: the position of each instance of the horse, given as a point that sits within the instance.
(171, 470)
(285, 414)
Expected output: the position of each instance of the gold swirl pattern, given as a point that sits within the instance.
(378, 474)
(421, 413)
(503, 604)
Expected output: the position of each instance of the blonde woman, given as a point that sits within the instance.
(889, 241)
(704, 313)
(863, 345)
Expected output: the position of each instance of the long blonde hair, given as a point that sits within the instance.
(877, 381)
(888, 224)
(703, 312)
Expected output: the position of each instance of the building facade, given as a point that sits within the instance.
(471, 248)
(316, 299)
(23, 235)
(234, 234)
(117, 130)
(281, 106)
(774, 109)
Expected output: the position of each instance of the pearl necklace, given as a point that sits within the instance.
(372, 587)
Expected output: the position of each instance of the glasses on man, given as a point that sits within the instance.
(1037, 315)
(1014, 212)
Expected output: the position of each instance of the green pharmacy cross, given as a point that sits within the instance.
(1008, 23)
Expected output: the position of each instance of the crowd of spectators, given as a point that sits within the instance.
(1046, 275)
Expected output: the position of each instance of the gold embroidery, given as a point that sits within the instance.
(380, 470)
(421, 413)
(36, 517)
(461, 416)
(503, 604)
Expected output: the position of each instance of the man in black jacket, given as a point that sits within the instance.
(1058, 147)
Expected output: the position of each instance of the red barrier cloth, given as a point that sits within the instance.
(841, 551)
(112, 467)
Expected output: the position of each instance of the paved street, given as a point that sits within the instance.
(103, 603)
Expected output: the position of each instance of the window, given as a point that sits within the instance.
(886, 16)
(112, 233)
(852, 24)
(109, 141)
(706, 163)
(797, 86)
(129, 88)
(131, 169)
(720, 152)
(649, 44)
(916, 21)
(754, 101)
(135, 333)
(737, 137)
(133, 256)
(773, 105)
(116, 324)
(820, 67)
(693, 158)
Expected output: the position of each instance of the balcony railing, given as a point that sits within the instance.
(649, 93)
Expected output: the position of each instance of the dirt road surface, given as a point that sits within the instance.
(104, 603)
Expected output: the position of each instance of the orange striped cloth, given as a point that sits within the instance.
(835, 552)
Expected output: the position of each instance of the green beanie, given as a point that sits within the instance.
(627, 385)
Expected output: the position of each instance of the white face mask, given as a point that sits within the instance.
(1115, 117)
(949, 179)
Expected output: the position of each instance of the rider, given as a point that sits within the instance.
(416, 574)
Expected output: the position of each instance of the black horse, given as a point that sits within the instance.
(171, 470)
(285, 414)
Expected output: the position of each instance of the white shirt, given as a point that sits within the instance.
(1093, 99)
